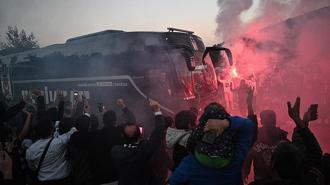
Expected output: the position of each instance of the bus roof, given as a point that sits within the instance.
(95, 42)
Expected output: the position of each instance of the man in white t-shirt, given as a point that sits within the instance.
(55, 167)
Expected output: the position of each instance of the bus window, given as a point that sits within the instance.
(184, 75)
(204, 77)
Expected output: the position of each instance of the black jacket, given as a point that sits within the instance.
(313, 159)
(101, 143)
(133, 161)
(79, 152)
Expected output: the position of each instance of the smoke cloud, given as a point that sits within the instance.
(240, 16)
(285, 44)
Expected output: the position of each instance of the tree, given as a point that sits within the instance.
(17, 41)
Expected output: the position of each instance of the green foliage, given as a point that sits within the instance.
(18, 41)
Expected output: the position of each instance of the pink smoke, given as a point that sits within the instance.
(290, 57)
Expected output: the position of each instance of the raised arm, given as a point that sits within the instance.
(26, 126)
(41, 104)
(60, 105)
(245, 129)
(251, 116)
(247, 166)
(148, 147)
(313, 149)
(79, 108)
(128, 115)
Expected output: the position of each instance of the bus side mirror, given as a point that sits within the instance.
(218, 55)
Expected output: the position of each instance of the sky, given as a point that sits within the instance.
(54, 21)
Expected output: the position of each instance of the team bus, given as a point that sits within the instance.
(171, 67)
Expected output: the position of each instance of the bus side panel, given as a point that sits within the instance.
(105, 92)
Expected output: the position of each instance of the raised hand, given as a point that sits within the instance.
(59, 95)
(216, 125)
(79, 98)
(250, 93)
(27, 98)
(294, 112)
(6, 165)
(28, 114)
(36, 92)
(249, 100)
(87, 107)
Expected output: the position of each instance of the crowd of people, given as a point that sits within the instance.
(56, 146)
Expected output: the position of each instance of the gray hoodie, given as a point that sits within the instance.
(174, 136)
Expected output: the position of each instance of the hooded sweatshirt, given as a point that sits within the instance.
(176, 139)
(191, 172)
(176, 136)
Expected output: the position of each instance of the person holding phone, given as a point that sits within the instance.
(102, 141)
(292, 164)
(132, 160)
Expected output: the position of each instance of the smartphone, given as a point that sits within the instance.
(313, 111)
(30, 109)
(209, 137)
(100, 106)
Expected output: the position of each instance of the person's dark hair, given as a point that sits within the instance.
(109, 118)
(82, 123)
(52, 113)
(185, 119)
(44, 127)
(287, 160)
(94, 122)
(194, 110)
(268, 118)
(65, 125)
(67, 111)
(215, 111)
(168, 121)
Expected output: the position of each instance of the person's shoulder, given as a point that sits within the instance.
(122, 152)
(36, 146)
(282, 133)
(189, 159)
(74, 137)
(239, 119)
(117, 150)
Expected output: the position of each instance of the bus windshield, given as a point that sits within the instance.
(205, 80)
(198, 78)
